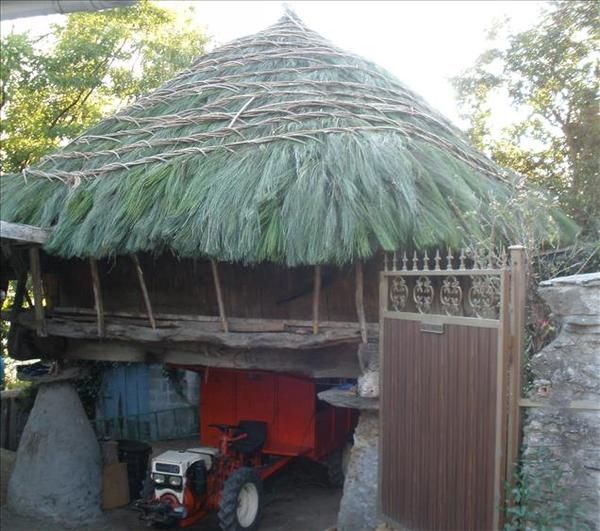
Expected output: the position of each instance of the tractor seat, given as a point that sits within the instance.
(256, 435)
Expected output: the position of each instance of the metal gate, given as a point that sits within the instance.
(450, 378)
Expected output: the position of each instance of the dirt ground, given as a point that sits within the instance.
(296, 499)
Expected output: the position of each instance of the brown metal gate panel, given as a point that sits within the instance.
(438, 413)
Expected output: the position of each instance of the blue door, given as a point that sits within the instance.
(124, 403)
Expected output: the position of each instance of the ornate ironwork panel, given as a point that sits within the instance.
(459, 284)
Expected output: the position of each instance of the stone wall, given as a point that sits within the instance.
(562, 441)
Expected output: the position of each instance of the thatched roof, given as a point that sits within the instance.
(278, 146)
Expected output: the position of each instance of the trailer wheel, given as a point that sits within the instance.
(241, 501)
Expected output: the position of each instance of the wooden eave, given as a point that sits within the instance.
(25, 234)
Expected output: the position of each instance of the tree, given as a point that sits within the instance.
(54, 87)
(550, 73)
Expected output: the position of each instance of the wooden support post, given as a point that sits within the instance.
(98, 304)
(517, 327)
(215, 272)
(143, 287)
(38, 291)
(360, 305)
(316, 299)
(20, 292)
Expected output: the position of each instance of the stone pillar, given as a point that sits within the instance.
(58, 469)
(358, 508)
(562, 441)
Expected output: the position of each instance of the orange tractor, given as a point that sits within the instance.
(252, 424)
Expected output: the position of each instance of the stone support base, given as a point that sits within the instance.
(358, 508)
(58, 470)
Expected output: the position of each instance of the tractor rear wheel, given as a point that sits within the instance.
(241, 501)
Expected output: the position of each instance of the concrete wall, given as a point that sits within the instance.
(178, 389)
(181, 389)
(562, 441)
(159, 402)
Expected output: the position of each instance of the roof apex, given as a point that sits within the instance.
(289, 13)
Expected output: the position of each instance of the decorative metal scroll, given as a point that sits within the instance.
(423, 294)
(466, 284)
(398, 294)
(484, 296)
(451, 295)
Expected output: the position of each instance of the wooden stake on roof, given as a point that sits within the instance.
(143, 287)
(316, 299)
(359, 296)
(221, 304)
(98, 303)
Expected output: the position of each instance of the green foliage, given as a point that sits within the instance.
(54, 87)
(276, 147)
(10, 378)
(539, 498)
(551, 75)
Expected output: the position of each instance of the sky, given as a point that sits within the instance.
(423, 43)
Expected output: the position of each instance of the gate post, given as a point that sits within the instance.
(518, 289)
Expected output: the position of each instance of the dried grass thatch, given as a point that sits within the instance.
(279, 147)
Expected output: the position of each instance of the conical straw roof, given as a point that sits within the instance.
(278, 146)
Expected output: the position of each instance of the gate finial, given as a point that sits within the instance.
(449, 259)
(462, 260)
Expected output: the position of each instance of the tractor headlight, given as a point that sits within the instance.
(175, 481)
(159, 479)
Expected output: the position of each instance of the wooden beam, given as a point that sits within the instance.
(360, 305)
(583, 405)
(518, 290)
(236, 324)
(316, 299)
(98, 303)
(217, 282)
(38, 291)
(23, 233)
(188, 331)
(144, 289)
(333, 362)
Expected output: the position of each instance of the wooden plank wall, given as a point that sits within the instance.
(438, 414)
(186, 286)
(13, 418)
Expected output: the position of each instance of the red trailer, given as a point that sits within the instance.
(298, 423)
(252, 423)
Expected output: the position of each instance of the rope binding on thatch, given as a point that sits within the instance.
(259, 142)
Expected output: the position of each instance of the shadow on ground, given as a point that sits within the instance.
(296, 499)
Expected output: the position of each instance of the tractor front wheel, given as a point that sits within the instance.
(241, 501)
